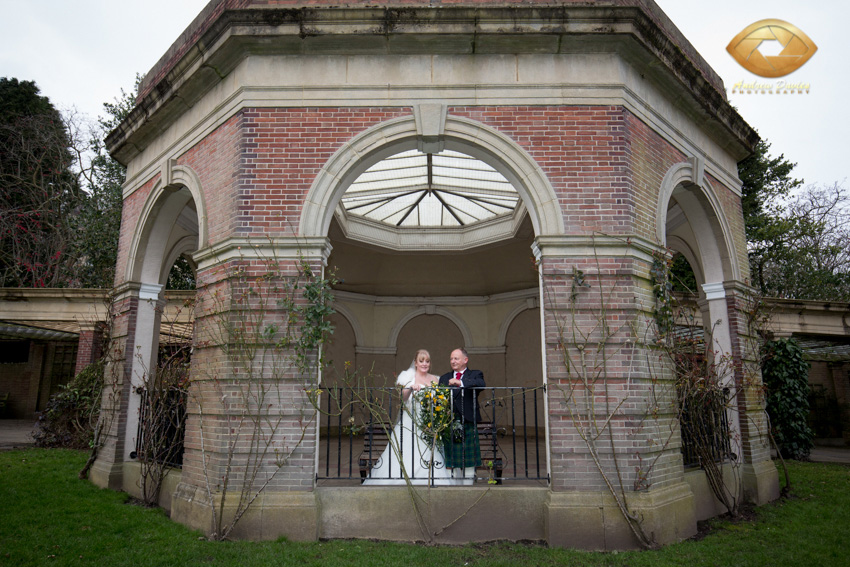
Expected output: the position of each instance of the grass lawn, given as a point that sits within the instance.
(49, 517)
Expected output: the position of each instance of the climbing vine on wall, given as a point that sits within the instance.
(704, 399)
(786, 379)
(269, 319)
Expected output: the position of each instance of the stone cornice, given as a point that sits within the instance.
(808, 305)
(246, 248)
(208, 54)
(601, 246)
(73, 309)
(801, 317)
(247, 96)
(387, 351)
(467, 300)
(73, 295)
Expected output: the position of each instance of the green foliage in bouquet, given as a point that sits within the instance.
(435, 416)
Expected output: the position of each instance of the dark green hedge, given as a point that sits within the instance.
(786, 379)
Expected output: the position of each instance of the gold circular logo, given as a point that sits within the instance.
(797, 48)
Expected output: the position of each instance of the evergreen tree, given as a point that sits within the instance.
(39, 192)
(799, 245)
(99, 219)
(766, 181)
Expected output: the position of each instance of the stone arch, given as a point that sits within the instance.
(430, 310)
(509, 319)
(172, 222)
(345, 313)
(687, 184)
(434, 332)
(185, 245)
(460, 134)
(704, 237)
(159, 238)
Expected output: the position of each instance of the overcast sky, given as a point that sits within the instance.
(81, 53)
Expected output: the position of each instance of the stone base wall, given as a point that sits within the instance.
(595, 520)
(589, 521)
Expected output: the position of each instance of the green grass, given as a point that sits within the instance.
(49, 517)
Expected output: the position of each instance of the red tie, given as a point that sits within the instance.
(458, 375)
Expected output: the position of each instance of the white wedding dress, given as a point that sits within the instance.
(408, 449)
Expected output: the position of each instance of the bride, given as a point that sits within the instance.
(407, 448)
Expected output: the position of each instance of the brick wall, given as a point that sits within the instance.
(89, 348)
(820, 374)
(131, 213)
(116, 387)
(749, 394)
(282, 151)
(841, 379)
(606, 167)
(830, 415)
(217, 161)
(622, 389)
(237, 365)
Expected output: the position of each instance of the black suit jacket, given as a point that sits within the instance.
(465, 402)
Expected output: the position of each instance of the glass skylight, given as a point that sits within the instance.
(413, 189)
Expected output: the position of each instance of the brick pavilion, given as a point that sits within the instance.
(540, 139)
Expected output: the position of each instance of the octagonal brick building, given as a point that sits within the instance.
(496, 175)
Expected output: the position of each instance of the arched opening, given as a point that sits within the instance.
(432, 245)
(523, 337)
(169, 231)
(696, 231)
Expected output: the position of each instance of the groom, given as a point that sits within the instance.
(463, 452)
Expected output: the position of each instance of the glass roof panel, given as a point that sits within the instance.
(413, 189)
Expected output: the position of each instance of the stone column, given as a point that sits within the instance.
(248, 406)
(132, 350)
(612, 432)
(145, 352)
(718, 339)
(758, 473)
(717, 321)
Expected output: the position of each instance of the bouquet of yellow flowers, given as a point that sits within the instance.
(435, 416)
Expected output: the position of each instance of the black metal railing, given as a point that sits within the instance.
(162, 428)
(356, 426)
(705, 432)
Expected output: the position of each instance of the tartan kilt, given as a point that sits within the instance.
(466, 453)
